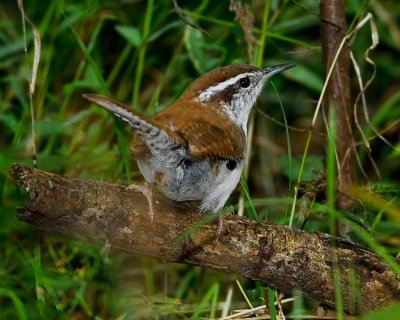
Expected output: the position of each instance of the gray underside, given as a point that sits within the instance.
(208, 181)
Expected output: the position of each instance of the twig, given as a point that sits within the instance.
(185, 20)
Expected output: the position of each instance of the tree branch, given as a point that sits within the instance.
(338, 98)
(277, 255)
(333, 30)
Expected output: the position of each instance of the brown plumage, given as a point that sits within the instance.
(205, 132)
(195, 148)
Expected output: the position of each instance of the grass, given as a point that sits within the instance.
(141, 53)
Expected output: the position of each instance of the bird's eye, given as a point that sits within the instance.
(231, 165)
(244, 82)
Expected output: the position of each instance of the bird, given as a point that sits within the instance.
(195, 149)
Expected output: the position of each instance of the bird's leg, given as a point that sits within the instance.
(219, 228)
(147, 192)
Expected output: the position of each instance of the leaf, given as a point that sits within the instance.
(130, 34)
(204, 56)
(306, 77)
(9, 121)
(395, 152)
(313, 167)
(159, 33)
(52, 127)
(391, 312)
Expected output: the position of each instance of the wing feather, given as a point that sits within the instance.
(207, 140)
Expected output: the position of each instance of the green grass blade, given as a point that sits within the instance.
(19, 306)
(252, 212)
(271, 302)
(122, 144)
(210, 295)
(243, 293)
(263, 36)
(102, 83)
(331, 168)
(142, 52)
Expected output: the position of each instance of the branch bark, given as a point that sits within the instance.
(333, 30)
(277, 255)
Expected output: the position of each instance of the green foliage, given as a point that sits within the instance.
(142, 53)
(271, 302)
(313, 169)
(130, 34)
(391, 312)
(205, 55)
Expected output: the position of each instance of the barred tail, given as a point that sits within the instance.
(158, 139)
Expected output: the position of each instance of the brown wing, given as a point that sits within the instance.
(204, 132)
(207, 140)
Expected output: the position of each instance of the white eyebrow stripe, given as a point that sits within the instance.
(206, 95)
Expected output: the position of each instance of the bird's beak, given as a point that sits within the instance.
(270, 71)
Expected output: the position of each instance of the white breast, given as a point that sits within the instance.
(221, 187)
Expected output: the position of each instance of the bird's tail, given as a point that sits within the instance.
(156, 137)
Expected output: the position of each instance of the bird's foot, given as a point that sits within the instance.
(146, 190)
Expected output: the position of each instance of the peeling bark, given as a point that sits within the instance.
(274, 254)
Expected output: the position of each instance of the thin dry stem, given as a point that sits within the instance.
(35, 66)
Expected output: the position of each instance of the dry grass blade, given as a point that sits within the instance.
(227, 302)
(345, 39)
(363, 88)
(364, 138)
(246, 20)
(388, 20)
(278, 303)
(35, 66)
(279, 123)
(313, 317)
(247, 312)
(388, 127)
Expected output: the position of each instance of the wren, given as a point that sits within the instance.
(195, 149)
